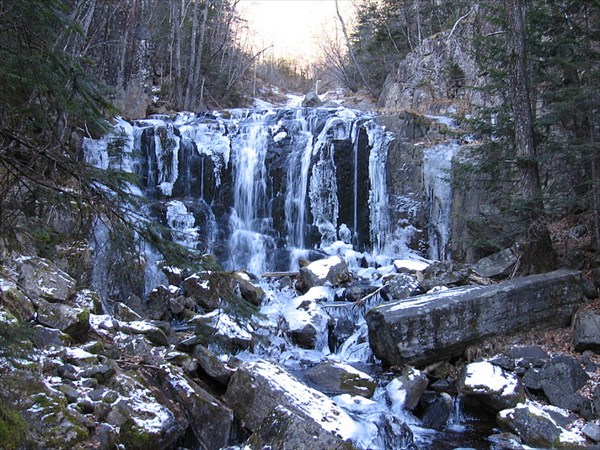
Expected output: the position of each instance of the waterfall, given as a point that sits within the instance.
(262, 188)
(438, 191)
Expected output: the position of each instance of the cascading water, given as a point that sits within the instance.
(261, 189)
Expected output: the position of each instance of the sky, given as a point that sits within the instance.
(291, 28)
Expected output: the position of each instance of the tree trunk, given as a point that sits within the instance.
(537, 252)
(190, 78)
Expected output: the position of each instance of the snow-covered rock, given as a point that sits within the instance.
(541, 426)
(492, 386)
(333, 271)
(341, 378)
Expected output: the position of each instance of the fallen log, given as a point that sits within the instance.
(438, 326)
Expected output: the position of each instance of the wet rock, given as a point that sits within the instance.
(491, 386)
(437, 326)
(540, 426)
(257, 388)
(402, 286)
(332, 270)
(437, 412)
(405, 391)
(586, 331)
(497, 265)
(335, 378)
(72, 321)
(340, 330)
(355, 292)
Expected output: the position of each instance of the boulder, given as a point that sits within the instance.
(221, 331)
(72, 321)
(405, 391)
(437, 326)
(332, 270)
(491, 386)
(307, 322)
(540, 426)
(202, 287)
(210, 420)
(311, 100)
(401, 286)
(248, 290)
(528, 356)
(214, 368)
(497, 265)
(286, 430)
(42, 279)
(158, 305)
(438, 412)
(586, 331)
(146, 328)
(443, 273)
(560, 379)
(15, 301)
(335, 378)
(258, 388)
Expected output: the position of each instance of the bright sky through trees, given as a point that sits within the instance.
(291, 28)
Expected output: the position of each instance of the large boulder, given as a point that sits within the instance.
(258, 388)
(437, 326)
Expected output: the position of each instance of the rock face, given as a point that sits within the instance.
(437, 326)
